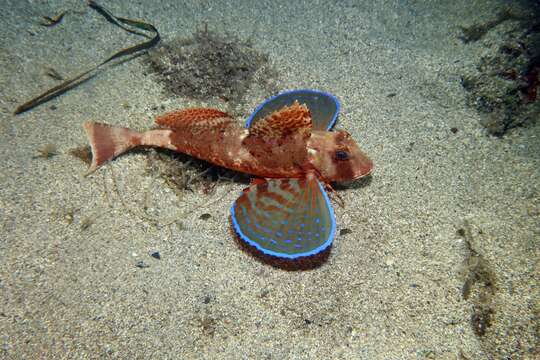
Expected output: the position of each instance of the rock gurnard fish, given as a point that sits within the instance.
(285, 213)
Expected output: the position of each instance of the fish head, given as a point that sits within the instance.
(337, 157)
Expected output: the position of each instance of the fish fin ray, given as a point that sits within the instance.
(107, 142)
(188, 119)
(324, 107)
(285, 218)
(280, 140)
(283, 122)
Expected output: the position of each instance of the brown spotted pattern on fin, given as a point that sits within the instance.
(280, 140)
(194, 118)
(287, 120)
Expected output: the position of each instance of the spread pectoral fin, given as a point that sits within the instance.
(324, 107)
(286, 218)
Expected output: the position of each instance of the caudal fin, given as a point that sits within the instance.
(108, 142)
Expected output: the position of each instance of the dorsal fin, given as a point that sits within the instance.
(194, 117)
(323, 107)
(280, 139)
(286, 121)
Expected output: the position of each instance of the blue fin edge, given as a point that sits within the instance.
(315, 251)
(329, 127)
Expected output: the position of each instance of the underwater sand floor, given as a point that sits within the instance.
(440, 260)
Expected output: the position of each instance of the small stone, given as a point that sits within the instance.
(141, 264)
(344, 232)
(108, 350)
(205, 216)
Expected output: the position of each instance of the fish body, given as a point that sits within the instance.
(286, 214)
(282, 146)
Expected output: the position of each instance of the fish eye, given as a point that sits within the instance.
(341, 155)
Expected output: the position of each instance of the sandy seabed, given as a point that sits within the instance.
(441, 257)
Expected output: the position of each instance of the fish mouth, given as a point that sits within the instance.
(353, 173)
(364, 170)
(358, 181)
(362, 175)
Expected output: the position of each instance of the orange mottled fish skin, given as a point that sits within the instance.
(282, 145)
(185, 118)
(213, 136)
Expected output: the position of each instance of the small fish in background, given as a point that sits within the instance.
(284, 216)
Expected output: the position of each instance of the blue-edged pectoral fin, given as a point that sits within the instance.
(324, 107)
(285, 218)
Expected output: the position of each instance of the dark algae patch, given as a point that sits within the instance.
(479, 286)
(481, 320)
(83, 153)
(504, 87)
(477, 272)
(210, 65)
(182, 173)
(176, 170)
(477, 31)
(500, 333)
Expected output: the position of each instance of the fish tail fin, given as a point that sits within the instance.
(107, 142)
